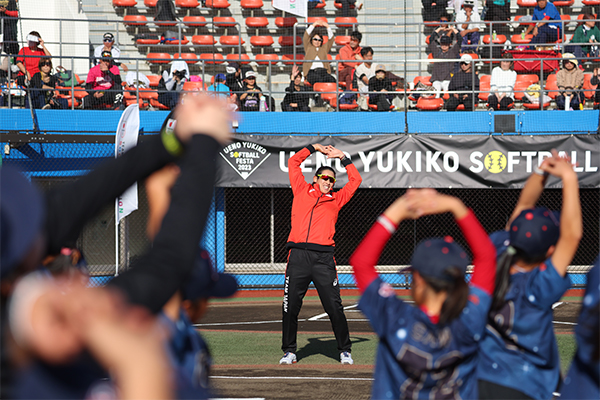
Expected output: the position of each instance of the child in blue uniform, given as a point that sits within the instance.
(519, 357)
(584, 376)
(428, 351)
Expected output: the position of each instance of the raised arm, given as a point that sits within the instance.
(354, 179)
(530, 194)
(155, 277)
(297, 180)
(571, 226)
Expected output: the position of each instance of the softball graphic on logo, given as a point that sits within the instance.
(495, 162)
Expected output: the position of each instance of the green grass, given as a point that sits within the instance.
(263, 348)
(566, 349)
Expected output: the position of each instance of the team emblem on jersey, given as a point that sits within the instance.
(386, 290)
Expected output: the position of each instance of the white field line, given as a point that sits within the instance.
(317, 317)
(243, 323)
(320, 378)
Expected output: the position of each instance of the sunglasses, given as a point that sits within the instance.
(318, 40)
(46, 63)
(108, 40)
(326, 178)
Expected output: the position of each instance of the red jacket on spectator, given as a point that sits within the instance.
(347, 53)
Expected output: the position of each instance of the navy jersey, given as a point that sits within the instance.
(519, 349)
(190, 357)
(584, 376)
(430, 361)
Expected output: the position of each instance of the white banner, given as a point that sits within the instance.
(127, 137)
(296, 7)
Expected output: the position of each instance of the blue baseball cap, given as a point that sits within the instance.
(220, 77)
(434, 256)
(534, 231)
(21, 217)
(205, 282)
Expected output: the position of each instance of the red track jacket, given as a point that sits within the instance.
(314, 214)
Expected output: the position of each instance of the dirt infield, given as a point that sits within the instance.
(260, 314)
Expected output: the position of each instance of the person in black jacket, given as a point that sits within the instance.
(295, 99)
(596, 81)
(466, 81)
(251, 93)
(10, 15)
(381, 83)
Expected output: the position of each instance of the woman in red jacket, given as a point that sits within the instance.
(314, 213)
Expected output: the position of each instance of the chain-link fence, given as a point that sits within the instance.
(247, 228)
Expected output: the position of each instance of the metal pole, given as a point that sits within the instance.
(272, 233)
(73, 83)
(117, 237)
(137, 87)
(60, 44)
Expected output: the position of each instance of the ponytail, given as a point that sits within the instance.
(458, 293)
(505, 260)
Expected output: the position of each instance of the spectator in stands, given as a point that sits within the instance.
(9, 16)
(171, 83)
(433, 9)
(29, 57)
(234, 79)
(443, 30)
(364, 72)
(497, 10)
(346, 4)
(457, 5)
(109, 45)
(596, 81)
(317, 69)
(544, 32)
(219, 86)
(103, 84)
(465, 81)
(585, 34)
(382, 84)
(502, 84)
(467, 22)
(570, 84)
(296, 98)
(350, 51)
(442, 71)
(42, 87)
(251, 93)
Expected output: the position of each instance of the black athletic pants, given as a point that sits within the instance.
(492, 391)
(303, 267)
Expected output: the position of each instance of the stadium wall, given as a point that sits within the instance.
(247, 227)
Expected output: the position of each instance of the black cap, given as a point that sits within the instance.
(445, 40)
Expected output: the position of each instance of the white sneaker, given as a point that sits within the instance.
(346, 358)
(288, 358)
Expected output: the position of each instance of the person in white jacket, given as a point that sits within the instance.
(502, 84)
(468, 23)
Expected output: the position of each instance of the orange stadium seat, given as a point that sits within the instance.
(234, 40)
(219, 4)
(135, 20)
(150, 3)
(289, 41)
(288, 59)
(590, 89)
(262, 41)
(257, 22)
(251, 4)
(190, 86)
(520, 88)
(209, 58)
(286, 22)
(312, 20)
(563, 3)
(500, 39)
(484, 85)
(240, 58)
(186, 3)
(321, 4)
(124, 3)
(342, 40)
(263, 59)
(158, 58)
(204, 40)
(194, 20)
(517, 39)
(430, 104)
(154, 79)
(189, 58)
(345, 22)
(224, 22)
(526, 3)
